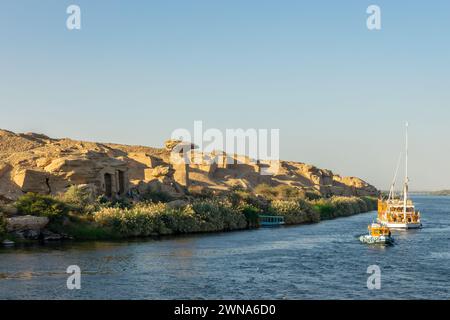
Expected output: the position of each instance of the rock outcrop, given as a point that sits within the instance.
(32, 228)
(37, 163)
(22, 223)
(26, 227)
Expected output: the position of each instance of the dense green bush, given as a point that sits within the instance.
(41, 205)
(346, 206)
(155, 194)
(266, 191)
(80, 199)
(158, 219)
(284, 192)
(343, 206)
(295, 211)
(301, 211)
(312, 195)
(219, 215)
(83, 227)
(287, 192)
(239, 198)
(2, 226)
(200, 192)
(325, 209)
(233, 210)
(251, 214)
(120, 202)
(371, 203)
(143, 220)
(182, 220)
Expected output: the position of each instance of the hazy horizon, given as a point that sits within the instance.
(339, 93)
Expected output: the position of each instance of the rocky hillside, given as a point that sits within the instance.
(32, 162)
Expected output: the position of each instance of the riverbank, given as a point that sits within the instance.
(310, 261)
(77, 215)
(444, 193)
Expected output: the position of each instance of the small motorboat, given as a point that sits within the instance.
(378, 234)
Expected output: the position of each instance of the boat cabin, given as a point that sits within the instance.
(377, 230)
(270, 221)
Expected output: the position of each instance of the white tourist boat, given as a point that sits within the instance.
(399, 213)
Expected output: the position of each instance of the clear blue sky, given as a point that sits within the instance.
(338, 92)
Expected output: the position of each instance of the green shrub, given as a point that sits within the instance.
(325, 208)
(218, 215)
(240, 198)
(147, 219)
(122, 203)
(281, 192)
(87, 231)
(155, 194)
(287, 192)
(104, 202)
(361, 206)
(83, 228)
(2, 226)
(200, 192)
(266, 191)
(343, 206)
(236, 187)
(313, 195)
(236, 198)
(80, 199)
(295, 211)
(182, 220)
(41, 205)
(251, 214)
(142, 220)
(371, 203)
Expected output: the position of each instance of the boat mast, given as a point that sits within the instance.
(405, 189)
(392, 190)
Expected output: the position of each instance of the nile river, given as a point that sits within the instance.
(319, 261)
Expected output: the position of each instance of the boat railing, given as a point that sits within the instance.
(268, 220)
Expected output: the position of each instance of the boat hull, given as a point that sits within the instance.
(376, 240)
(271, 225)
(404, 226)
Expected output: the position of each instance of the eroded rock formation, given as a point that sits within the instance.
(36, 163)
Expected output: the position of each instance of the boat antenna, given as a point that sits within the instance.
(405, 189)
(391, 191)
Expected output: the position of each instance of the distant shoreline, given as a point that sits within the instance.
(432, 193)
(428, 193)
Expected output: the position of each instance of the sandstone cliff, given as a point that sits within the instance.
(36, 163)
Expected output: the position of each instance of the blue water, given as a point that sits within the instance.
(319, 261)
